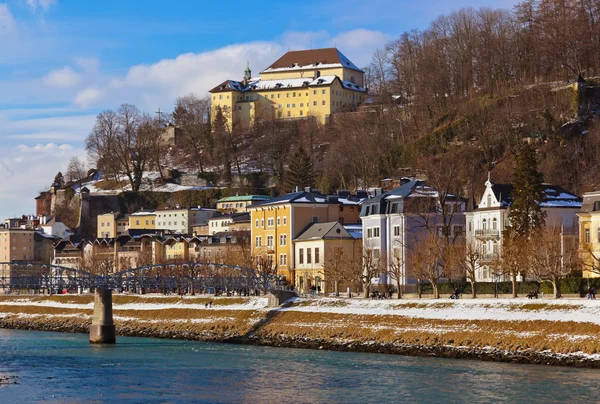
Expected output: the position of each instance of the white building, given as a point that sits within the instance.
(181, 220)
(55, 228)
(393, 222)
(487, 223)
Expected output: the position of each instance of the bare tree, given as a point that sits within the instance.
(469, 263)
(397, 269)
(552, 259)
(371, 267)
(514, 259)
(76, 170)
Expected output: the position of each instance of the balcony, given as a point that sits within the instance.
(488, 258)
(488, 233)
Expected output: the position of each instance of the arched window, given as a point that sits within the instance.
(484, 224)
(494, 224)
(489, 200)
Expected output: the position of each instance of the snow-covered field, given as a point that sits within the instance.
(576, 310)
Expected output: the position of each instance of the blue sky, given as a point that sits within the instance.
(63, 61)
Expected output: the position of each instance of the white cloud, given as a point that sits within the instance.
(65, 77)
(28, 170)
(361, 43)
(44, 5)
(157, 85)
(49, 148)
(7, 21)
(88, 96)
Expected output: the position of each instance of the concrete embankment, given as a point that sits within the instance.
(512, 331)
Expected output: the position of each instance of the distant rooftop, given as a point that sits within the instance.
(244, 198)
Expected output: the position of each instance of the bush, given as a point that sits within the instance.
(572, 285)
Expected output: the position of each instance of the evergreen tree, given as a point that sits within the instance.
(59, 180)
(525, 214)
(300, 172)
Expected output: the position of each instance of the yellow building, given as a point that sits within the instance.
(307, 83)
(589, 234)
(324, 254)
(17, 245)
(277, 222)
(143, 219)
(110, 225)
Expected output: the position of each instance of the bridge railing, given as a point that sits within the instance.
(184, 277)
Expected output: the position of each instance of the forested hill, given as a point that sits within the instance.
(459, 98)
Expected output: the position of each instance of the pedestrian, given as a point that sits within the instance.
(589, 293)
(210, 304)
(593, 293)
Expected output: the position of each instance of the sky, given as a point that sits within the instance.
(64, 61)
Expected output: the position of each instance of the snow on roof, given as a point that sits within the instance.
(328, 58)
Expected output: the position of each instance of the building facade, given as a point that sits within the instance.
(239, 203)
(277, 222)
(308, 83)
(486, 224)
(394, 223)
(589, 234)
(183, 220)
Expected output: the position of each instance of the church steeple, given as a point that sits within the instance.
(248, 72)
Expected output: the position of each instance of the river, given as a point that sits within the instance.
(65, 368)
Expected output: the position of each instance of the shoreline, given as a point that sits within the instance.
(131, 329)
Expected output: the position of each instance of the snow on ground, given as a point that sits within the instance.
(577, 310)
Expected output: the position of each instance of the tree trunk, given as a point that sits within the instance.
(556, 286)
(436, 292)
(514, 284)
(337, 291)
(399, 286)
(473, 290)
(367, 290)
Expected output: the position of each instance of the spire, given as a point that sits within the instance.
(489, 182)
(248, 72)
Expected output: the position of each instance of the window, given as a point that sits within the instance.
(315, 103)
(221, 97)
(315, 219)
(396, 230)
(258, 242)
(316, 255)
(323, 102)
(587, 236)
(494, 224)
(256, 223)
(369, 233)
(484, 224)
(269, 241)
(293, 105)
(598, 234)
(458, 231)
(489, 200)
(278, 95)
(284, 220)
(283, 259)
(470, 227)
(324, 91)
(278, 221)
(301, 104)
(394, 208)
(308, 256)
(289, 114)
(293, 94)
(301, 256)
(288, 105)
(301, 113)
(137, 222)
(262, 223)
(283, 239)
(375, 232)
(270, 222)
(288, 95)
(315, 92)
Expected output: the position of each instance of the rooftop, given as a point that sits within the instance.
(311, 59)
(239, 198)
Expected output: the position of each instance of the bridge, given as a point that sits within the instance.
(190, 278)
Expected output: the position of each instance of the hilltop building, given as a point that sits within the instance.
(300, 84)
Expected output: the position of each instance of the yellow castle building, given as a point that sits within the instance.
(300, 84)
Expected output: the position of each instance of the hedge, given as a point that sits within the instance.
(573, 285)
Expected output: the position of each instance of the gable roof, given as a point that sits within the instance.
(295, 197)
(238, 198)
(324, 231)
(554, 196)
(312, 59)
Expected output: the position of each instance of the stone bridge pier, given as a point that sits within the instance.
(102, 330)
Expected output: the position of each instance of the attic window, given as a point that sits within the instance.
(320, 81)
(348, 63)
